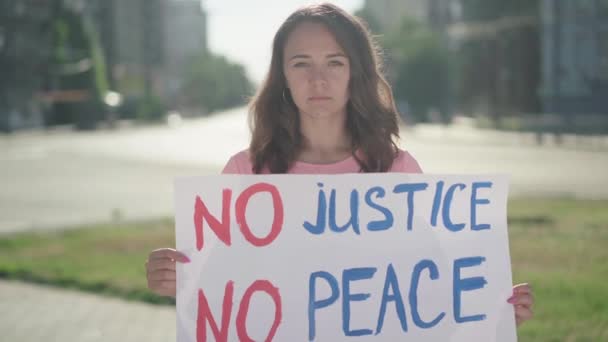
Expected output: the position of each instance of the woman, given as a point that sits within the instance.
(324, 108)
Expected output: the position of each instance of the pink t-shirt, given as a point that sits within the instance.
(241, 164)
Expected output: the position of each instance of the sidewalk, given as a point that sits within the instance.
(466, 133)
(39, 313)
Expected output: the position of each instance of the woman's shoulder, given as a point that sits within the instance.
(239, 163)
(405, 162)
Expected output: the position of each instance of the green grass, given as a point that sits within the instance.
(107, 259)
(559, 246)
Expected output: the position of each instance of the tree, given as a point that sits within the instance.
(78, 65)
(211, 82)
(501, 67)
(369, 19)
(485, 10)
(420, 69)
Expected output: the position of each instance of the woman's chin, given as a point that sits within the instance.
(321, 112)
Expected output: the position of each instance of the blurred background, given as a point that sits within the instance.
(104, 102)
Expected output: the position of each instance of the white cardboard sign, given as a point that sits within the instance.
(351, 257)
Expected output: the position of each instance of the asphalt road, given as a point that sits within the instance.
(62, 178)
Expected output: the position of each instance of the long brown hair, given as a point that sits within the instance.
(372, 118)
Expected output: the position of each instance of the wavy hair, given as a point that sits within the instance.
(372, 119)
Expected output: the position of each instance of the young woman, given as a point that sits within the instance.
(324, 108)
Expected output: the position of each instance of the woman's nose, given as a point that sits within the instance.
(318, 75)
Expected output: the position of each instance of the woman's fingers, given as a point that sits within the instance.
(160, 264)
(162, 287)
(161, 275)
(160, 270)
(522, 314)
(168, 253)
(524, 299)
(522, 288)
(162, 281)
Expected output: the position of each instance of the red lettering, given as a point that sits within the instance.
(221, 229)
(241, 317)
(204, 315)
(277, 223)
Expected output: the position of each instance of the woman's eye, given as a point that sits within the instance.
(335, 63)
(300, 64)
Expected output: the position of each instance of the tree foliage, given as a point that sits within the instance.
(369, 19)
(419, 68)
(499, 74)
(483, 10)
(213, 82)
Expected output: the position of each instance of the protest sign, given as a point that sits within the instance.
(365, 257)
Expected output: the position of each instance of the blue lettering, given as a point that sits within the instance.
(354, 213)
(475, 202)
(436, 203)
(314, 304)
(319, 228)
(391, 284)
(449, 195)
(388, 216)
(466, 284)
(349, 275)
(410, 189)
(434, 274)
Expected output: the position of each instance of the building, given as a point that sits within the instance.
(185, 36)
(144, 43)
(148, 41)
(574, 56)
(554, 60)
(25, 45)
(185, 30)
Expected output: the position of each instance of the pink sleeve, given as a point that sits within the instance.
(238, 164)
(231, 167)
(405, 163)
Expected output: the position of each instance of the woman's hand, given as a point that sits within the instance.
(522, 301)
(160, 270)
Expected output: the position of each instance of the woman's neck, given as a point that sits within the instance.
(324, 140)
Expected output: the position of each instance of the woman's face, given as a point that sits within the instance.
(317, 71)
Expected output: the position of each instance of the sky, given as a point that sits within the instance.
(242, 30)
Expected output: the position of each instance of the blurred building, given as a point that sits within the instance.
(185, 36)
(553, 59)
(130, 32)
(148, 41)
(574, 56)
(25, 47)
(144, 45)
(185, 29)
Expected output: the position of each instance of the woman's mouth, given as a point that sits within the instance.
(319, 98)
